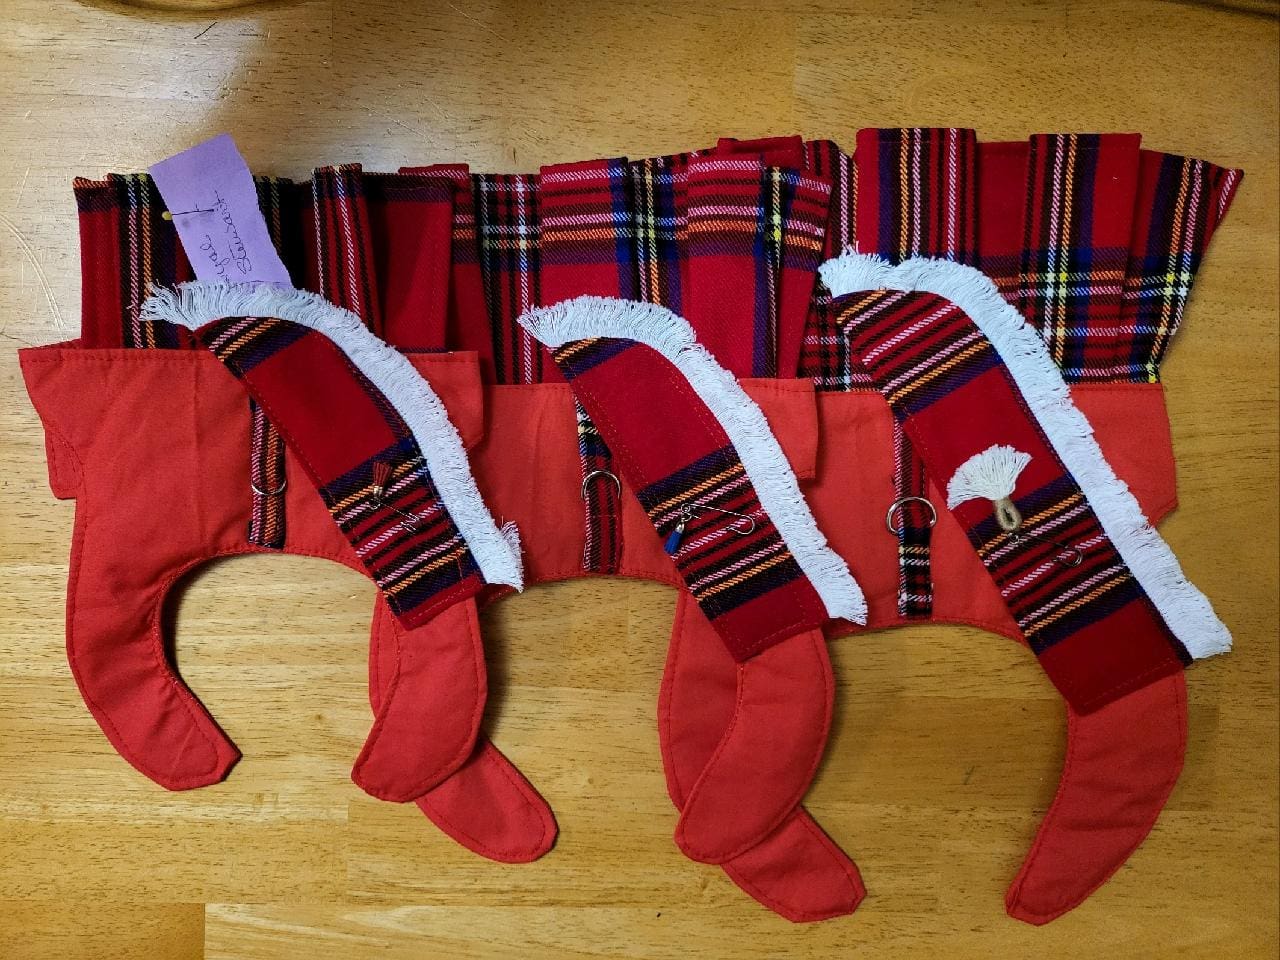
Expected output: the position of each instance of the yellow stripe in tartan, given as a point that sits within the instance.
(573, 348)
(1165, 325)
(1059, 305)
(743, 223)
(255, 330)
(422, 571)
(397, 473)
(734, 470)
(744, 575)
(1031, 521)
(1079, 602)
(899, 395)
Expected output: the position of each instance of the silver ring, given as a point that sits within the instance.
(274, 493)
(601, 473)
(898, 505)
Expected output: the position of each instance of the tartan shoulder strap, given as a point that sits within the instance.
(369, 430)
(705, 466)
(1097, 591)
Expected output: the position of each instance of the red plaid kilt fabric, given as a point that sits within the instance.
(1094, 629)
(750, 586)
(588, 245)
(340, 427)
(918, 197)
(1076, 204)
(267, 480)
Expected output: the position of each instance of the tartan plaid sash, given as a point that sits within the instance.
(364, 459)
(589, 246)
(750, 587)
(1093, 626)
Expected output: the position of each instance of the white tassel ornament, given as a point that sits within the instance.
(993, 475)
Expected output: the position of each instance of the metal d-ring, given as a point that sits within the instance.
(274, 493)
(601, 473)
(899, 504)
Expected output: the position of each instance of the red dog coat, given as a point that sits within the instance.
(730, 239)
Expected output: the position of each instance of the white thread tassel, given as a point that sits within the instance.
(992, 474)
(1185, 609)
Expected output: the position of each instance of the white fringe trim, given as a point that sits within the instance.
(748, 430)
(990, 475)
(192, 305)
(1185, 609)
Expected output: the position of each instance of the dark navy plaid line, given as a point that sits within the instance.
(578, 356)
(750, 588)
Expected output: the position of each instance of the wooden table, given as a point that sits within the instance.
(948, 742)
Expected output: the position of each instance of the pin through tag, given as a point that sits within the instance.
(690, 511)
(378, 493)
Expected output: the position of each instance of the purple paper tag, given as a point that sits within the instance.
(209, 192)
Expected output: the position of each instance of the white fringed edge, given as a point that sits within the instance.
(192, 305)
(1185, 610)
(775, 484)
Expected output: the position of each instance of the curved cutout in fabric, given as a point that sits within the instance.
(1121, 765)
(1185, 610)
(739, 417)
(193, 305)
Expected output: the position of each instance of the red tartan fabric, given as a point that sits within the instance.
(1040, 206)
(344, 243)
(588, 246)
(918, 193)
(674, 454)
(1097, 634)
(342, 429)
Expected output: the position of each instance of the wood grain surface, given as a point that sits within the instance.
(948, 742)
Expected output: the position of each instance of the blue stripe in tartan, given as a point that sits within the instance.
(589, 353)
(623, 228)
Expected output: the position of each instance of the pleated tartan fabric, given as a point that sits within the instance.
(267, 480)
(344, 243)
(1181, 201)
(1075, 239)
(674, 454)
(824, 356)
(589, 240)
(756, 227)
(126, 246)
(917, 192)
(1094, 629)
(308, 387)
(507, 239)
(659, 191)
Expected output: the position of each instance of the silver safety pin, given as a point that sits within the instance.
(1010, 521)
(690, 510)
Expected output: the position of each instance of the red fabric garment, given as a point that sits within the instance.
(1096, 632)
(124, 424)
(796, 870)
(486, 804)
(1179, 203)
